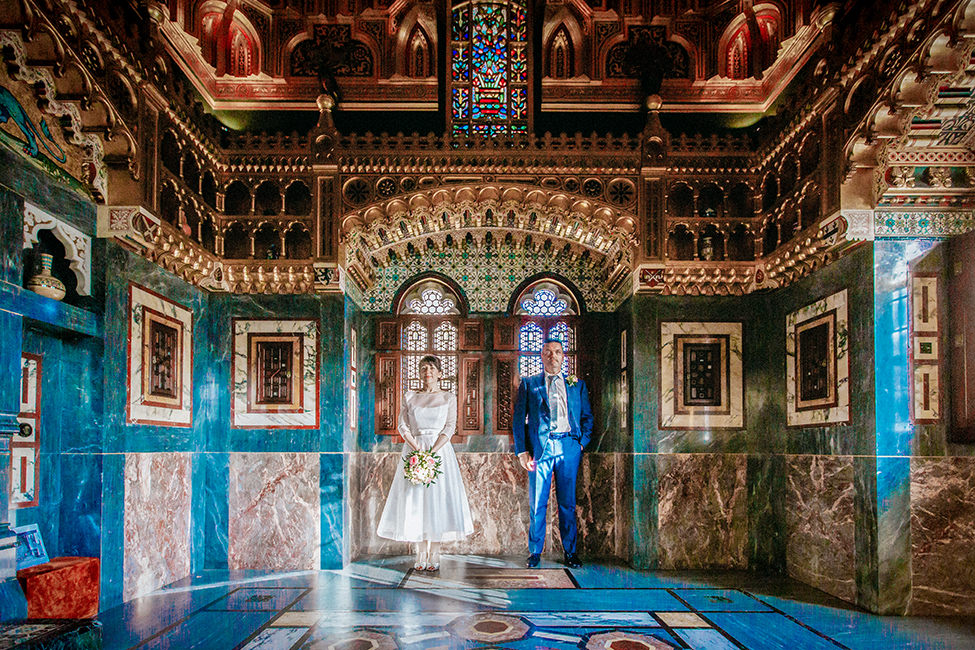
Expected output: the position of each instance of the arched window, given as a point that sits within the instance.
(429, 327)
(429, 320)
(546, 310)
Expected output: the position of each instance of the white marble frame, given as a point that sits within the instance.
(138, 411)
(839, 412)
(730, 414)
(25, 449)
(241, 414)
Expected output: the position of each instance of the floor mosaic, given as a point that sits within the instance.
(477, 602)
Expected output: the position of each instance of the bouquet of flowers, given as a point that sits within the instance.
(422, 468)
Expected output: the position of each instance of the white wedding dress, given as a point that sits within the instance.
(440, 513)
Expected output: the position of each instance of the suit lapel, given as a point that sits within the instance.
(548, 409)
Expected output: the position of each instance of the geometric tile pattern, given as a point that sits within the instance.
(371, 606)
(489, 278)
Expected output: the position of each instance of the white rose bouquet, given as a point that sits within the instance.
(422, 468)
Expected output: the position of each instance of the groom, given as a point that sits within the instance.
(552, 423)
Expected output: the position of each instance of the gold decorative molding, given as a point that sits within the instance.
(485, 216)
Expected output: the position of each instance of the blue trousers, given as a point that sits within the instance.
(561, 459)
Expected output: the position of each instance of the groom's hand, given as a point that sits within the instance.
(526, 461)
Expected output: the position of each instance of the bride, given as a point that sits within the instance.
(428, 516)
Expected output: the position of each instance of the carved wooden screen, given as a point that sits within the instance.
(458, 343)
(545, 309)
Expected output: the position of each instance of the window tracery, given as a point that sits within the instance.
(429, 329)
(547, 310)
(489, 68)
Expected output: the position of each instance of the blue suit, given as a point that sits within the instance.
(558, 456)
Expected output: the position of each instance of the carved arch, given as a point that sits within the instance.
(739, 38)
(566, 22)
(414, 21)
(244, 47)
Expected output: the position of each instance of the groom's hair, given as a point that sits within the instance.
(553, 339)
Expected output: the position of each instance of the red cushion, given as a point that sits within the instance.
(65, 587)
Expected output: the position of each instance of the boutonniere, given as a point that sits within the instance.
(571, 380)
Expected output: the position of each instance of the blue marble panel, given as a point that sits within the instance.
(275, 638)
(13, 604)
(333, 373)
(770, 631)
(81, 505)
(893, 534)
(590, 619)
(39, 308)
(720, 600)
(892, 258)
(26, 180)
(258, 599)
(704, 639)
(215, 510)
(645, 502)
(865, 536)
(207, 630)
(328, 310)
(644, 332)
(332, 486)
(198, 519)
(11, 343)
(118, 436)
(113, 529)
(365, 438)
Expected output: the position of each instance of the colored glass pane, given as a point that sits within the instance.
(489, 61)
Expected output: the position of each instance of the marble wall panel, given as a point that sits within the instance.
(703, 511)
(820, 526)
(157, 521)
(212, 510)
(766, 512)
(497, 490)
(143, 408)
(942, 530)
(246, 413)
(332, 489)
(604, 495)
(274, 511)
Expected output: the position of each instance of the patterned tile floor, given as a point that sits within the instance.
(478, 602)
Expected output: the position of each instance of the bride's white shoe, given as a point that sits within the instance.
(420, 563)
(433, 563)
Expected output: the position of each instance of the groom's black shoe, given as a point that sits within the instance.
(533, 560)
(572, 561)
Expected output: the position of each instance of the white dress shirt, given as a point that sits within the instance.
(557, 401)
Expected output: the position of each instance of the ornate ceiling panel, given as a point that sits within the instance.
(729, 56)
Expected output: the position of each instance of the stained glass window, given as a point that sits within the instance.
(547, 309)
(429, 298)
(428, 328)
(544, 302)
(489, 68)
(546, 299)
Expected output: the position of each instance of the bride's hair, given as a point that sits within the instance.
(433, 361)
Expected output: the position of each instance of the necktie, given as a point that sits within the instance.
(552, 398)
